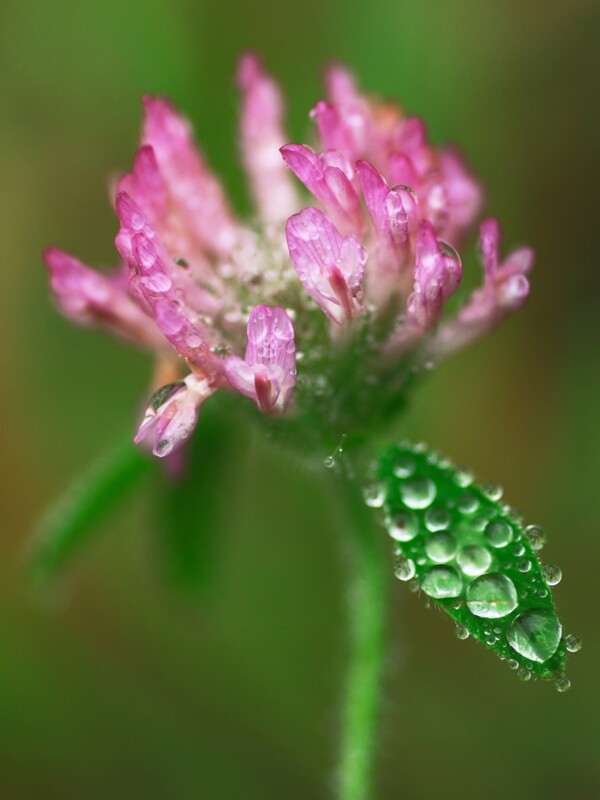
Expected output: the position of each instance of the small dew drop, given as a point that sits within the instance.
(441, 582)
(374, 496)
(498, 533)
(418, 493)
(404, 467)
(461, 632)
(512, 664)
(536, 537)
(474, 560)
(437, 519)
(562, 684)
(524, 565)
(404, 569)
(441, 547)
(518, 549)
(572, 643)
(414, 586)
(551, 574)
(403, 526)
(493, 491)
(463, 477)
(468, 503)
(329, 462)
(524, 674)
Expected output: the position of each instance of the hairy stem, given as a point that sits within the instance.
(366, 613)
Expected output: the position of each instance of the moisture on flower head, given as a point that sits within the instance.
(319, 306)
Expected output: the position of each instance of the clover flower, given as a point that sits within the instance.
(321, 307)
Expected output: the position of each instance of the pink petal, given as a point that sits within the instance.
(153, 279)
(330, 266)
(393, 211)
(464, 193)
(170, 420)
(327, 177)
(261, 137)
(196, 192)
(267, 374)
(89, 298)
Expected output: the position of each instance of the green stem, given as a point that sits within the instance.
(367, 607)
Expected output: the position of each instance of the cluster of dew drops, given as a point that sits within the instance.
(489, 595)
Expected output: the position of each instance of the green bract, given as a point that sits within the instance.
(471, 555)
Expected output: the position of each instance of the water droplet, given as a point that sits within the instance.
(461, 632)
(414, 586)
(512, 663)
(468, 503)
(418, 493)
(492, 596)
(441, 547)
(442, 582)
(463, 477)
(535, 634)
(524, 565)
(536, 537)
(479, 523)
(474, 560)
(572, 643)
(562, 684)
(374, 496)
(437, 519)
(518, 549)
(524, 674)
(404, 526)
(404, 569)
(542, 592)
(492, 491)
(498, 533)
(404, 467)
(551, 574)
(329, 462)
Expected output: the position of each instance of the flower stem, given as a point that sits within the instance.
(367, 648)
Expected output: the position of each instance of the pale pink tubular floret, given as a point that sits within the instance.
(89, 298)
(329, 178)
(262, 135)
(267, 373)
(195, 192)
(505, 289)
(438, 271)
(152, 279)
(168, 426)
(464, 195)
(394, 212)
(329, 265)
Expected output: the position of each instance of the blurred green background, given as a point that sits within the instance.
(116, 685)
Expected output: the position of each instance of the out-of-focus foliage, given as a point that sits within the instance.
(120, 686)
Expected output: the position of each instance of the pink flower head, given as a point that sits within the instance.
(267, 374)
(346, 271)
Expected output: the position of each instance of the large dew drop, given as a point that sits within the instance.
(492, 596)
(441, 547)
(442, 582)
(498, 533)
(474, 560)
(418, 493)
(403, 527)
(535, 634)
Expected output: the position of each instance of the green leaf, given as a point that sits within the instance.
(72, 520)
(470, 554)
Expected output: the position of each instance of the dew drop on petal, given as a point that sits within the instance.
(492, 596)
(418, 493)
(441, 582)
(535, 634)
